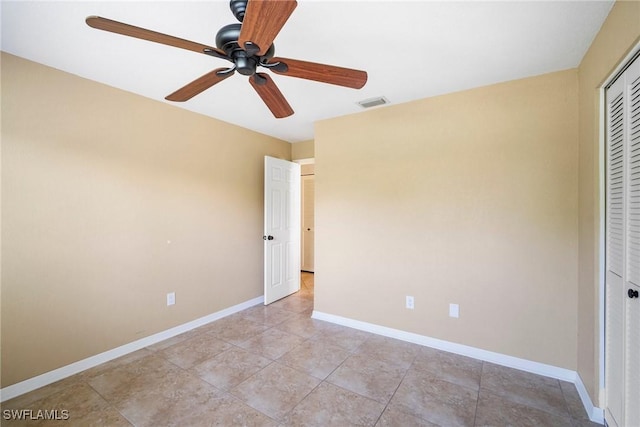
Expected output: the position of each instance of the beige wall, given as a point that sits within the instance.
(468, 198)
(95, 183)
(620, 32)
(303, 150)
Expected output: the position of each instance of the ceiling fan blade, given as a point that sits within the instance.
(152, 36)
(199, 85)
(271, 95)
(320, 72)
(262, 22)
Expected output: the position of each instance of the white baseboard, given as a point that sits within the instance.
(66, 371)
(595, 414)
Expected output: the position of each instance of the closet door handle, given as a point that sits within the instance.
(632, 293)
(267, 237)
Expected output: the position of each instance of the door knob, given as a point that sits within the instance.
(632, 293)
(267, 237)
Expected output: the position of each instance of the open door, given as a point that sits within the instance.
(281, 229)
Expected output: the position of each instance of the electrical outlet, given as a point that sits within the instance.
(171, 298)
(409, 302)
(454, 310)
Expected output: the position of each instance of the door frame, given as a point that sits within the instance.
(305, 161)
(602, 205)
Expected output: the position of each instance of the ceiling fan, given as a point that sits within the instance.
(247, 46)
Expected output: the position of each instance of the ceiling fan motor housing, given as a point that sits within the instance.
(227, 40)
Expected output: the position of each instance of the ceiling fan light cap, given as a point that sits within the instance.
(245, 65)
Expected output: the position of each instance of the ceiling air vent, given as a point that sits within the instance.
(373, 102)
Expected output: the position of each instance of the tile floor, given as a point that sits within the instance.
(275, 366)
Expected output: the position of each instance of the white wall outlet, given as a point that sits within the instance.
(171, 298)
(409, 302)
(454, 310)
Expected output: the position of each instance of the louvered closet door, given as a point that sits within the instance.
(614, 332)
(622, 373)
(632, 277)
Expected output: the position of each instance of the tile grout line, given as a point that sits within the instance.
(322, 381)
(496, 393)
(396, 390)
(475, 414)
(566, 402)
(112, 404)
(301, 400)
(272, 361)
(228, 392)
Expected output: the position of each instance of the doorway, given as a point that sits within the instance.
(307, 232)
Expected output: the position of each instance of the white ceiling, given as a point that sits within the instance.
(410, 49)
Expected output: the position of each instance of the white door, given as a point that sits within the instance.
(614, 326)
(631, 289)
(308, 228)
(622, 340)
(281, 229)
